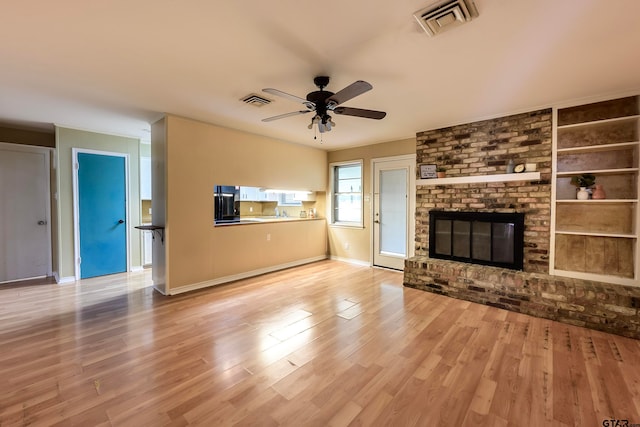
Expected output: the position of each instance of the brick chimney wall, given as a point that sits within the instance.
(485, 148)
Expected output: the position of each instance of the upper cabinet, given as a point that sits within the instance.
(596, 233)
(257, 194)
(249, 194)
(145, 178)
(305, 196)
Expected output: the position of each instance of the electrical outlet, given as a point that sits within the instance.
(268, 237)
(346, 246)
(250, 208)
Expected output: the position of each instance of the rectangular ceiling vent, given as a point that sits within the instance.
(445, 15)
(255, 100)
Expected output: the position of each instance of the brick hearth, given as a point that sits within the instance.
(601, 306)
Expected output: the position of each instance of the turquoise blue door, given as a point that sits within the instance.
(102, 214)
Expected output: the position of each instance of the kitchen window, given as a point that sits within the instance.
(346, 191)
(288, 199)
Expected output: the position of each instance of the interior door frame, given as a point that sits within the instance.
(411, 208)
(46, 151)
(76, 205)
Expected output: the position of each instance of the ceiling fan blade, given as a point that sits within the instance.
(359, 112)
(282, 116)
(351, 91)
(310, 105)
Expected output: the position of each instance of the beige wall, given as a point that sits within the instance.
(66, 139)
(201, 155)
(355, 243)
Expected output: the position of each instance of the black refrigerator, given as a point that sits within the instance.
(226, 204)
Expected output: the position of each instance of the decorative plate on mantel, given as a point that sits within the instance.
(519, 168)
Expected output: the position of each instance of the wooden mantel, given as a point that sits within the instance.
(472, 179)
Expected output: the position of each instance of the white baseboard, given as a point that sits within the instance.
(63, 280)
(244, 275)
(351, 261)
(137, 268)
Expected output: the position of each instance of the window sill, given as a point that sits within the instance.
(346, 225)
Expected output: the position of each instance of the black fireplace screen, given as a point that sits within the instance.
(477, 237)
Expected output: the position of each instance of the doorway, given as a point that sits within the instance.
(101, 213)
(393, 210)
(25, 212)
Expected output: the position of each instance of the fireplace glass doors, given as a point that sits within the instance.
(477, 237)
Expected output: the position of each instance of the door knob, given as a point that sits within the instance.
(42, 222)
(121, 221)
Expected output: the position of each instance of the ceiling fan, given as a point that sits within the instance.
(322, 102)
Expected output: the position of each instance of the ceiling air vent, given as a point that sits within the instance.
(444, 15)
(255, 100)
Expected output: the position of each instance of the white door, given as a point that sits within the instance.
(392, 211)
(25, 237)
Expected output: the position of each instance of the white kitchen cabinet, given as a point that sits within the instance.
(145, 178)
(305, 196)
(268, 196)
(249, 194)
(147, 245)
(256, 194)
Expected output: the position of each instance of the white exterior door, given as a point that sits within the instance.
(25, 236)
(393, 216)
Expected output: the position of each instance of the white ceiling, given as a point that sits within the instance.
(115, 66)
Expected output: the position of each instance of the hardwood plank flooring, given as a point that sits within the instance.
(326, 344)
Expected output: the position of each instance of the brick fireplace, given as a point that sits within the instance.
(485, 148)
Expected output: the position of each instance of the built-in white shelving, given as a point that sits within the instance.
(597, 239)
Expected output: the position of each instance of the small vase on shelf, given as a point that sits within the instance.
(582, 194)
(598, 193)
(510, 166)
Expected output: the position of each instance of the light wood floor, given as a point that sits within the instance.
(324, 344)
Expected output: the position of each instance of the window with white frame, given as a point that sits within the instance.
(288, 199)
(346, 191)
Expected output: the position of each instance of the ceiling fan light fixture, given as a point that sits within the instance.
(323, 102)
(324, 123)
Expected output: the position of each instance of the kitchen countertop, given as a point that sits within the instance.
(268, 219)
